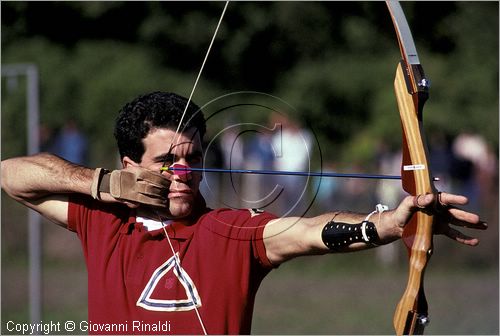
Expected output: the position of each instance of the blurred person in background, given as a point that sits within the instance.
(71, 143)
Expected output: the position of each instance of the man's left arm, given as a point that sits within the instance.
(344, 231)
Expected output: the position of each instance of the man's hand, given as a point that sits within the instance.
(443, 207)
(133, 186)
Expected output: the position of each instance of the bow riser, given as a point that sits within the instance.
(417, 235)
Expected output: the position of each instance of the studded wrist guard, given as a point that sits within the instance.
(337, 235)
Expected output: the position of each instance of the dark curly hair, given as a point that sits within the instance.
(153, 110)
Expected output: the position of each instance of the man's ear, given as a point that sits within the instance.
(126, 162)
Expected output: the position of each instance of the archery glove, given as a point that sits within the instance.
(142, 186)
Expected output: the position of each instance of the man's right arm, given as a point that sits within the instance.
(43, 182)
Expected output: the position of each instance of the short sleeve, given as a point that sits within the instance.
(78, 212)
(242, 225)
(93, 220)
(259, 247)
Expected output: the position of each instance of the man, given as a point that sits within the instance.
(158, 260)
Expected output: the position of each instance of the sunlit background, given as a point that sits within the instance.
(301, 86)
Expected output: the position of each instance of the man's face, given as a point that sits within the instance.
(186, 151)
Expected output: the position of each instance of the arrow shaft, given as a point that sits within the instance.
(284, 172)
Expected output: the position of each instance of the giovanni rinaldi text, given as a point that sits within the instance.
(46, 328)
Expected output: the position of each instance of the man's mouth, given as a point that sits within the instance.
(180, 193)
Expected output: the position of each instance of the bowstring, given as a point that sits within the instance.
(176, 257)
(181, 271)
(196, 81)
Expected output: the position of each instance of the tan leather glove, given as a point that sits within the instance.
(139, 186)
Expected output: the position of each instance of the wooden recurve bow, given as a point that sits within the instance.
(412, 90)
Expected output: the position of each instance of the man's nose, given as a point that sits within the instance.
(181, 172)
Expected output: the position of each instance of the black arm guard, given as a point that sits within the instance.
(338, 235)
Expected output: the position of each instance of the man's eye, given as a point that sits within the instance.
(194, 160)
(168, 160)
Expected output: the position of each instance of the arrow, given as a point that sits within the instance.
(187, 170)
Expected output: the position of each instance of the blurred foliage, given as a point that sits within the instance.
(331, 64)
(332, 61)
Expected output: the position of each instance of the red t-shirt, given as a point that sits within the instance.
(135, 287)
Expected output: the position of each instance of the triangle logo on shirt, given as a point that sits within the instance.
(193, 299)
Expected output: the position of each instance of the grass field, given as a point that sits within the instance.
(298, 300)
